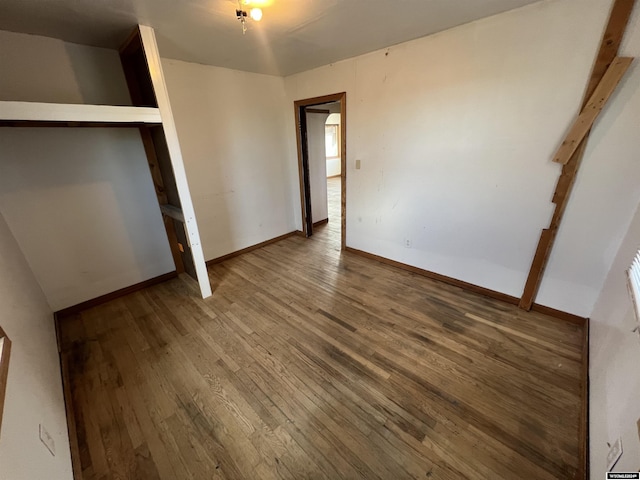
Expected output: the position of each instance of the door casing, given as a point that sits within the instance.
(303, 167)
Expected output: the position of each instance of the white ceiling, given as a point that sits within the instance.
(294, 35)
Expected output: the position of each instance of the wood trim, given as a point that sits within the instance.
(4, 369)
(552, 312)
(582, 125)
(314, 101)
(142, 67)
(609, 45)
(132, 42)
(68, 124)
(72, 429)
(170, 135)
(538, 266)
(252, 247)
(72, 310)
(583, 429)
(321, 222)
(343, 172)
(303, 122)
(58, 114)
(436, 276)
(296, 112)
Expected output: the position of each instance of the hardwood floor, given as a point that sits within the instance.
(309, 363)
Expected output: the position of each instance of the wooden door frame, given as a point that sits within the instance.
(5, 350)
(311, 102)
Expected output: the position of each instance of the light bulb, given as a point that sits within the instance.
(256, 14)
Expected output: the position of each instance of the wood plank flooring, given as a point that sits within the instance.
(309, 363)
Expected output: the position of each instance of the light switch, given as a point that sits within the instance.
(357, 164)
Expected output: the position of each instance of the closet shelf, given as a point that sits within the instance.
(142, 69)
(33, 114)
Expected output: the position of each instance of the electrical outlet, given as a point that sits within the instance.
(47, 440)
(615, 452)
(407, 242)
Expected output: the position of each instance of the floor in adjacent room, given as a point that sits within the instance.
(312, 363)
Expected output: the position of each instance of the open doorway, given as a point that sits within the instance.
(311, 116)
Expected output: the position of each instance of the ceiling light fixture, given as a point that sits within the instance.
(241, 14)
(256, 14)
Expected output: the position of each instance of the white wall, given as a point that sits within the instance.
(615, 358)
(334, 165)
(34, 388)
(612, 166)
(317, 165)
(232, 128)
(80, 202)
(615, 351)
(455, 132)
(42, 69)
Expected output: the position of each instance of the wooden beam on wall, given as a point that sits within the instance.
(582, 125)
(608, 51)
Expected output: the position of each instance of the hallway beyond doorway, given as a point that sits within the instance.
(330, 232)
